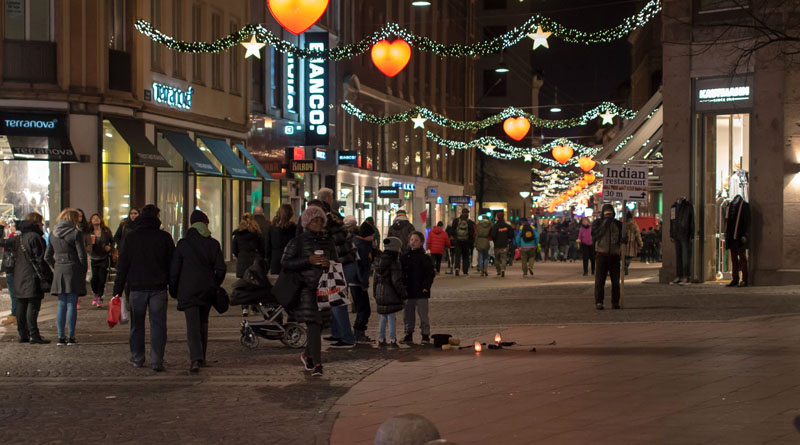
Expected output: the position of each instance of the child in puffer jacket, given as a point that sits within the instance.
(389, 291)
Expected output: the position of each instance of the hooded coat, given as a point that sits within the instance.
(401, 229)
(295, 259)
(418, 273)
(145, 257)
(607, 235)
(389, 292)
(634, 237)
(277, 240)
(482, 234)
(502, 234)
(66, 255)
(197, 270)
(438, 241)
(246, 247)
(26, 282)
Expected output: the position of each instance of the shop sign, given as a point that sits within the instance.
(432, 191)
(349, 157)
(388, 192)
(407, 186)
(368, 194)
(291, 84)
(317, 85)
(173, 97)
(625, 183)
(724, 93)
(303, 166)
(459, 199)
(321, 154)
(24, 124)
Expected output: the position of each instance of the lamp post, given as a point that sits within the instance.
(524, 194)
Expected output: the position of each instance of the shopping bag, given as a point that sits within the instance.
(332, 288)
(124, 316)
(114, 309)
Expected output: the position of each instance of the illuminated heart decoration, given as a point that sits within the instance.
(517, 127)
(391, 58)
(586, 163)
(582, 183)
(562, 153)
(570, 193)
(589, 178)
(297, 15)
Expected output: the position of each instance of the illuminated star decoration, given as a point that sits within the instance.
(528, 158)
(253, 47)
(489, 148)
(540, 38)
(608, 117)
(419, 121)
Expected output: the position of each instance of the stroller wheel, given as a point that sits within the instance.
(295, 336)
(249, 338)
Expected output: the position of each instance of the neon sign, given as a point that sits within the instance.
(317, 91)
(724, 94)
(173, 97)
(291, 84)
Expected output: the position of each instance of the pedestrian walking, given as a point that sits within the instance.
(483, 232)
(418, 276)
(86, 229)
(102, 243)
(451, 252)
(363, 242)
(502, 236)
(634, 238)
(125, 226)
(30, 269)
(281, 231)
(66, 255)
(263, 224)
(346, 337)
(552, 242)
(438, 243)
(144, 266)
(401, 228)
(196, 272)
(7, 267)
(587, 247)
(390, 291)
(464, 230)
(607, 234)
(309, 254)
(564, 240)
(528, 242)
(247, 246)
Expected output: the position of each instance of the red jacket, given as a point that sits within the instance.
(438, 240)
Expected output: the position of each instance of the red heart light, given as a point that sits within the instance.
(297, 15)
(516, 127)
(586, 163)
(562, 153)
(391, 58)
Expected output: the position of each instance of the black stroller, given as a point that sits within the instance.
(254, 289)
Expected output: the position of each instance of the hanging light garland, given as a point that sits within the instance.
(535, 26)
(417, 112)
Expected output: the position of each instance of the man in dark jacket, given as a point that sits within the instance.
(263, 224)
(363, 242)
(144, 266)
(401, 229)
(418, 275)
(464, 230)
(608, 237)
(503, 235)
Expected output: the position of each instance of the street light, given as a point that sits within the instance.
(524, 194)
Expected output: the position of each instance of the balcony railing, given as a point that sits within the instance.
(29, 61)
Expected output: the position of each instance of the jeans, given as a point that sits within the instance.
(28, 316)
(463, 255)
(156, 302)
(607, 265)
(437, 261)
(197, 331)
(527, 255)
(414, 305)
(363, 311)
(392, 321)
(587, 252)
(10, 282)
(500, 258)
(683, 258)
(739, 260)
(67, 312)
(483, 260)
(340, 325)
(99, 276)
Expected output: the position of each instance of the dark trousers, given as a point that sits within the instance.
(28, 317)
(739, 260)
(683, 258)
(196, 331)
(463, 255)
(363, 311)
(156, 303)
(587, 251)
(606, 265)
(314, 345)
(437, 261)
(99, 277)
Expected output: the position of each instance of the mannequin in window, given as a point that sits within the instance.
(737, 235)
(738, 182)
(681, 233)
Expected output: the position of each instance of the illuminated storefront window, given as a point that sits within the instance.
(116, 176)
(171, 189)
(208, 194)
(29, 186)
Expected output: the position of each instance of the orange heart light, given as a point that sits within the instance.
(583, 183)
(297, 15)
(571, 193)
(589, 178)
(586, 163)
(391, 58)
(517, 127)
(562, 153)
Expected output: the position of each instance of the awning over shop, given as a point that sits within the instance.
(191, 153)
(35, 136)
(233, 165)
(257, 165)
(143, 152)
(38, 148)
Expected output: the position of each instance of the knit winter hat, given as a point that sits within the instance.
(392, 244)
(310, 214)
(366, 230)
(198, 216)
(350, 221)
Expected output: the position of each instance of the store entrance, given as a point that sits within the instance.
(726, 173)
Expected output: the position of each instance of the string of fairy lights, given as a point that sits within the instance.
(533, 28)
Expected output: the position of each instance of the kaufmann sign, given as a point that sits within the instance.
(724, 93)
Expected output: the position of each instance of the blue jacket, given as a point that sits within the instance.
(527, 244)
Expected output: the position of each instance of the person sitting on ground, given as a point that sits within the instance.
(389, 292)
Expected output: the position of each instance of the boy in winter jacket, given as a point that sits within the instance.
(418, 275)
(438, 241)
(528, 242)
(389, 291)
(482, 234)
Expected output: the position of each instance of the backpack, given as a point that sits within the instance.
(527, 233)
(462, 230)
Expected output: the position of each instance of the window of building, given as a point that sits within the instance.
(29, 186)
(208, 193)
(117, 26)
(216, 59)
(713, 6)
(116, 167)
(494, 84)
(28, 20)
(236, 57)
(171, 189)
(197, 35)
(177, 32)
(155, 48)
(490, 32)
(276, 78)
(494, 4)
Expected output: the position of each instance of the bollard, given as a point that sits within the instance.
(406, 429)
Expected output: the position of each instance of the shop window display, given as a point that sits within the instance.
(116, 176)
(29, 186)
(208, 194)
(171, 186)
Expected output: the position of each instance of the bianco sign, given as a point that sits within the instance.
(625, 183)
(291, 84)
(173, 97)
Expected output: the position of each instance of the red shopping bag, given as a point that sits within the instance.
(114, 310)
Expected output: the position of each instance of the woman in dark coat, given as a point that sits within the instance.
(308, 255)
(282, 230)
(28, 247)
(390, 292)
(66, 255)
(248, 245)
(196, 272)
(102, 242)
(125, 226)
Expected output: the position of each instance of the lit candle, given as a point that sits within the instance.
(478, 347)
(498, 339)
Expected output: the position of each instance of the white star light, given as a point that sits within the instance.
(419, 121)
(528, 158)
(540, 38)
(608, 117)
(253, 47)
(489, 148)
